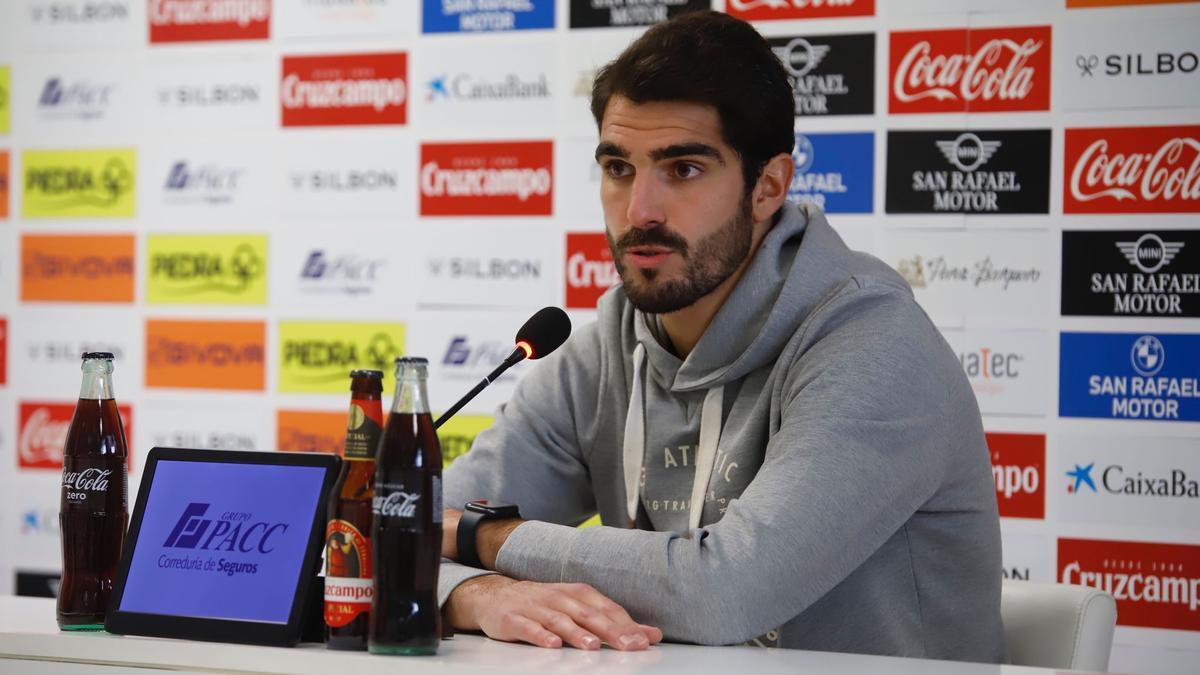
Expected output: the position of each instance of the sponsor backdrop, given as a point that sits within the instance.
(244, 200)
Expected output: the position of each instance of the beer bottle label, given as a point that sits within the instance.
(87, 480)
(403, 505)
(363, 429)
(348, 589)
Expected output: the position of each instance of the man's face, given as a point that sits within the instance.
(676, 213)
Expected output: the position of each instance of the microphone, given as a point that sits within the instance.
(544, 332)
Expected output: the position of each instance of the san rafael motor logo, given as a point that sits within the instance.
(1130, 376)
(234, 532)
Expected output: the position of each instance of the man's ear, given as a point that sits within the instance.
(772, 187)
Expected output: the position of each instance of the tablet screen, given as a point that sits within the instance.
(222, 540)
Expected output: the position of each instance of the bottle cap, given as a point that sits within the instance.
(369, 374)
(412, 360)
(97, 355)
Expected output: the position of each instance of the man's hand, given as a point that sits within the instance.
(489, 536)
(545, 615)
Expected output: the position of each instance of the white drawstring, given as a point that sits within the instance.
(634, 451)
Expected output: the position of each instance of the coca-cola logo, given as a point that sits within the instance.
(77, 483)
(42, 433)
(345, 89)
(398, 504)
(765, 10)
(1008, 71)
(200, 20)
(487, 178)
(590, 269)
(1133, 170)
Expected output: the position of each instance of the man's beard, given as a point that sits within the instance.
(715, 259)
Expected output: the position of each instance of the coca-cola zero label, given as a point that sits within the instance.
(402, 504)
(87, 480)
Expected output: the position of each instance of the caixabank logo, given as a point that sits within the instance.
(77, 268)
(1131, 273)
(310, 431)
(42, 432)
(590, 269)
(768, 10)
(468, 16)
(967, 71)
(513, 178)
(834, 172)
(205, 20)
(316, 356)
(1018, 469)
(1130, 376)
(829, 74)
(1155, 585)
(1113, 482)
(344, 89)
(79, 183)
(194, 354)
(619, 13)
(206, 269)
(1132, 170)
(978, 171)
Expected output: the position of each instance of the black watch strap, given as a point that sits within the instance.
(467, 525)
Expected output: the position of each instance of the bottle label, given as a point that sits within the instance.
(402, 504)
(86, 482)
(348, 589)
(363, 429)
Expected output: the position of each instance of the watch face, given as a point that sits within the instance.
(504, 511)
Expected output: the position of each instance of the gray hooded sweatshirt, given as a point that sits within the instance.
(822, 426)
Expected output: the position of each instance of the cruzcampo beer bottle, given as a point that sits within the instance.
(93, 510)
(348, 585)
(407, 536)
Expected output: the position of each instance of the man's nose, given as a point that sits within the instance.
(645, 209)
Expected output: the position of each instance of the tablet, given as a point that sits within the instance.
(222, 546)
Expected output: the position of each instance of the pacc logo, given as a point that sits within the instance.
(765, 10)
(440, 16)
(345, 89)
(830, 74)
(314, 357)
(1132, 170)
(1116, 481)
(228, 534)
(467, 87)
(77, 268)
(79, 13)
(346, 274)
(1155, 585)
(590, 269)
(1134, 65)
(614, 13)
(1018, 464)
(206, 269)
(226, 355)
(1131, 273)
(86, 183)
(201, 20)
(1130, 376)
(984, 171)
(80, 99)
(1008, 71)
(479, 179)
(190, 184)
(212, 95)
(346, 180)
(42, 433)
(834, 171)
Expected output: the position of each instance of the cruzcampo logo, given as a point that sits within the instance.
(79, 183)
(5, 79)
(206, 269)
(458, 433)
(316, 357)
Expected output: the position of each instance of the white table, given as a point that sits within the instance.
(30, 642)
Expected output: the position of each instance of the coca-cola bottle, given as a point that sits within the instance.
(348, 585)
(94, 510)
(407, 532)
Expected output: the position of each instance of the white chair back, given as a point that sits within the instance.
(1057, 625)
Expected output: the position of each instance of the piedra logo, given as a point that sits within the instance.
(79, 184)
(317, 356)
(207, 269)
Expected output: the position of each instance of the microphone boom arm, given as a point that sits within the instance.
(513, 359)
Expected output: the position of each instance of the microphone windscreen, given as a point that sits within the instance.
(545, 331)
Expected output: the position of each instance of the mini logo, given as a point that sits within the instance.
(1007, 71)
(590, 269)
(310, 431)
(206, 269)
(439, 16)
(1132, 170)
(1147, 355)
(1018, 464)
(829, 74)
(314, 357)
(766, 10)
(42, 432)
(345, 89)
(1155, 585)
(86, 183)
(224, 355)
(77, 268)
(476, 179)
(202, 20)
(615, 13)
(1130, 273)
(968, 152)
(1150, 248)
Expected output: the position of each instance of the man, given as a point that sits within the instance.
(780, 445)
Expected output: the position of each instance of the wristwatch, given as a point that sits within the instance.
(475, 513)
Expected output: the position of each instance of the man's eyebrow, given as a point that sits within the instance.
(608, 148)
(686, 150)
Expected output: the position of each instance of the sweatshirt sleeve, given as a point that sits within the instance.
(531, 455)
(858, 450)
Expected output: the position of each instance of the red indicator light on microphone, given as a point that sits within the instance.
(527, 347)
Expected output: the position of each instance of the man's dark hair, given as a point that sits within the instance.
(714, 59)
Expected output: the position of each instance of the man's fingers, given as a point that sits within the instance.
(597, 621)
(654, 635)
(607, 618)
(514, 627)
(565, 627)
